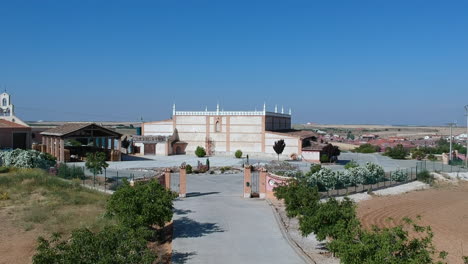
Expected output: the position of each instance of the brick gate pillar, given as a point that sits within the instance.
(167, 178)
(182, 181)
(247, 181)
(262, 183)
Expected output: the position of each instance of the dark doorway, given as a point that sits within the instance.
(19, 140)
(150, 149)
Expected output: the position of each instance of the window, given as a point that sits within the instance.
(217, 127)
(4, 102)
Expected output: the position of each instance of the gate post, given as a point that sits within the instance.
(167, 178)
(247, 181)
(182, 181)
(262, 183)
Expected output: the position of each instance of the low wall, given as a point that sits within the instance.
(272, 181)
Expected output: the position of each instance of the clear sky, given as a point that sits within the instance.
(352, 62)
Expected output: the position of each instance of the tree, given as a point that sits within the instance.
(279, 147)
(96, 162)
(144, 204)
(367, 148)
(200, 152)
(418, 154)
(351, 164)
(115, 244)
(331, 151)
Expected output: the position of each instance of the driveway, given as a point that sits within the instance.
(213, 224)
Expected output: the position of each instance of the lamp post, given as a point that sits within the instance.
(466, 154)
(451, 139)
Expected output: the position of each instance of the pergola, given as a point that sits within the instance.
(95, 135)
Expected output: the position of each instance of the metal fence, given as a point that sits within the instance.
(412, 176)
(109, 179)
(437, 166)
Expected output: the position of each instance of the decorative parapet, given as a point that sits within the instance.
(229, 113)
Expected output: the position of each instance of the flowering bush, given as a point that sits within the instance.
(27, 159)
(399, 176)
(376, 173)
(327, 178)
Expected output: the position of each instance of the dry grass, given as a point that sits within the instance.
(40, 204)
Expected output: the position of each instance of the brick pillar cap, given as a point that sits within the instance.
(167, 170)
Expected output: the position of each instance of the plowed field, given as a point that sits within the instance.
(444, 208)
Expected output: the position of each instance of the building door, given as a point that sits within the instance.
(150, 149)
(19, 140)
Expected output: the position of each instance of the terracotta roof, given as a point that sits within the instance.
(8, 124)
(72, 127)
(314, 147)
(297, 133)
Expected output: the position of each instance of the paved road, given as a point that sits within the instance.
(215, 225)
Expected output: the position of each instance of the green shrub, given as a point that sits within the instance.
(115, 244)
(367, 148)
(238, 154)
(324, 158)
(200, 152)
(431, 157)
(4, 169)
(397, 152)
(70, 172)
(188, 169)
(351, 164)
(425, 176)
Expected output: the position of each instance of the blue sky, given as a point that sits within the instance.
(361, 62)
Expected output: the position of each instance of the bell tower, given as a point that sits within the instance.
(7, 109)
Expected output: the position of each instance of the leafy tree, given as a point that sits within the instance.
(397, 152)
(279, 147)
(387, 245)
(144, 204)
(200, 152)
(431, 157)
(298, 195)
(115, 244)
(238, 154)
(331, 219)
(96, 162)
(349, 135)
(331, 151)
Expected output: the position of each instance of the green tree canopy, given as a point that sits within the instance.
(144, 204)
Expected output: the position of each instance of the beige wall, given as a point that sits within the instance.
(234, 132)
(311, 156)
(292, 143)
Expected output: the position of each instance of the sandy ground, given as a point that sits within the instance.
(16, 244)
(444, 208)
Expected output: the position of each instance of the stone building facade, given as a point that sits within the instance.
(221, 132)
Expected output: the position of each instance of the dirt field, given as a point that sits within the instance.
(444, 208)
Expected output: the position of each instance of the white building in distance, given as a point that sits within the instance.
(222, 132)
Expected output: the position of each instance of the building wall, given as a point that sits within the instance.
(227, 133)
(311, 156)
(293, 144)
(6, 136)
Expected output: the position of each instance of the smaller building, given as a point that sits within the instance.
(14, 135)
(72, 141)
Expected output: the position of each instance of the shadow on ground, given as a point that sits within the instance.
(182, 211)
(179, 257)
(195, 194)
(186, 227)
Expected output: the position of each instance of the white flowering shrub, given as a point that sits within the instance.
(357, 175)
(399, 176)
(327, 178)
(26, 159)
(344, 179)
(376, 173)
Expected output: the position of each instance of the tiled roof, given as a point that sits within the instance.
(8, 124)
(72, 127)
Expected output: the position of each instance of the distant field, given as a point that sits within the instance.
(34, 204)
(444, 208)
(386, 131)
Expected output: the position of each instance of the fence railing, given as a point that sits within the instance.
(435, 166)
